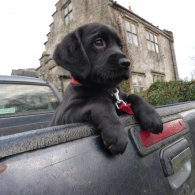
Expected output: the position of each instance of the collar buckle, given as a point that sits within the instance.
(118, 100)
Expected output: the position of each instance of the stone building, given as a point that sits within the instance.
(30, 72)
(150, 48)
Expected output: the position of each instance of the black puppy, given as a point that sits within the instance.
(93, 54)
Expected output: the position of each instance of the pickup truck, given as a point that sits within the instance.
(71, 158)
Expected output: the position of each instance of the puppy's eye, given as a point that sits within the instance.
(121, 46)
(99, 42)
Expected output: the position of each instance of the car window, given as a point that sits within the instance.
(23, 99)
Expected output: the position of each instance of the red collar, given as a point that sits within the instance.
(75, 82)
(121, 105)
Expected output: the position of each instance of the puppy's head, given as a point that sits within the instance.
(93, 53)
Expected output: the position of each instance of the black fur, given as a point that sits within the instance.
(93, 54)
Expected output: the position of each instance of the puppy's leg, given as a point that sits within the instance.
(146, 115)
(114, 136)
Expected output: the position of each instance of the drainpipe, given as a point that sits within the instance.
(173, 56)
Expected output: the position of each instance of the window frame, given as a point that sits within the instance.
(68, 12)
(138, 86)
(152, 41)
(132, 33)
(158, 75)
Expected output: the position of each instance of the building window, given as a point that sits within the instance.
(152, 42)
(68, 15)
(131, 33)
(138, 82)
(157, 77)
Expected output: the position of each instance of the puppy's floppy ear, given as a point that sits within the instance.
(71, 55)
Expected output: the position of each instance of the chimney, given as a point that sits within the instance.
(129, 7)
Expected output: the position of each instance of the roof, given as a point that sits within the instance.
(25, 79)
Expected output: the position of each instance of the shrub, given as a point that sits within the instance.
(161, 93)
(125, 86)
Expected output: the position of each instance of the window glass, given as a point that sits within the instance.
(155, 39)
(135, 40)
(65, 11)
(152, 42)
(23, 99)
(158, 77)
(68, 15)
(138, 82)
(127, 26)
(147, 35)
(70, 6)
(151, 37)
(149, 45)
(157, 50)
(133, 30)
(129, 37)
(131, 33)
(152, 47)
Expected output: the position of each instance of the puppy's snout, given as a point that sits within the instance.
(124, 62)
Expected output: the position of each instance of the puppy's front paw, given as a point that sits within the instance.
(115, 140)
(151, 121)
(146, 115)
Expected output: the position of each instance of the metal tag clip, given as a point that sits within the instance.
(118, 100)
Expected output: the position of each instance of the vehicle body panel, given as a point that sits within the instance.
(71, 159)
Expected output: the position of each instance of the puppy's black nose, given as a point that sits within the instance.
(124, 62)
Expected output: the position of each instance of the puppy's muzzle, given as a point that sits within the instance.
(124, 63)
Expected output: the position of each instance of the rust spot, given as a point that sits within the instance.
(2, 168)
